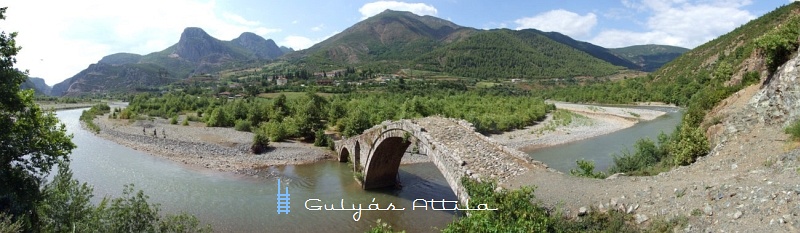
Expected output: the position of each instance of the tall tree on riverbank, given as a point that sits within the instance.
(32, 141)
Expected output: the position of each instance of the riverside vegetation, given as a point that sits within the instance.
(34, 142)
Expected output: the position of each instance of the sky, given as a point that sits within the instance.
(61, 38)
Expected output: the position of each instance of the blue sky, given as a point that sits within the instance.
(61, 38)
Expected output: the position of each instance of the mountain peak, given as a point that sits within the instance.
(261, 48)
(193, 32)
(195, 44)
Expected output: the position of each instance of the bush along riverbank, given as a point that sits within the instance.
(87, 116)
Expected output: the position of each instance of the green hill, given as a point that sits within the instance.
(391, 36)
(513, 54)
(649, 57)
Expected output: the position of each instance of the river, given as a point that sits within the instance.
(602, 149)
(232, 203)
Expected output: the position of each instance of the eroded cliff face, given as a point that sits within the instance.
(778, 101)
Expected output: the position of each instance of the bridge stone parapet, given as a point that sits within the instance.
(453, 146)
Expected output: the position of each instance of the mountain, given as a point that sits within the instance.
(390, 35)
(504, 53)
(649, 57)
(594, 50)
(196, 52)
(261, 48)
(37, 84)
(103, 78)
(286, 50)
(393, 39)
(121, 59)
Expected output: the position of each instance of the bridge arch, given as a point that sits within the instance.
(381, 170)
(452, 145)
(344, 155)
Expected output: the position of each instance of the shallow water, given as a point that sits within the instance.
(601, 149)
(233, 203)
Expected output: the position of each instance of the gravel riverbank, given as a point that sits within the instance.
(222, 149)
(600, 120)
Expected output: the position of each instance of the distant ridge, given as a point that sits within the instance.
(196, 52)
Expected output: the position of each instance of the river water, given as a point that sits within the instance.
(602, 149)
(232, 203)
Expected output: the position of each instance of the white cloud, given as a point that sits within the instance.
(78, 33)
(679, 22)
(301, 42)
(374, 8)
(297, 42)
(566, 22)
(318, 28)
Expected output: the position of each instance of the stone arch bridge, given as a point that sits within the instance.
(452, 145)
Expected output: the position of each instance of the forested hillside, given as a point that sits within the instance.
(512, 54)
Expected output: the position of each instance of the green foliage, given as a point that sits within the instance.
(320, 139)
(185, 121)
(87, 116)
(794, 130)
(646, 154)
(519, 54)
(382, 227)
(32, 140)
(66, 207)
(8, 224)
(261, 139)
(243, 125)
(66, 204)
(173, 120)
(586, 169)
(690, 145)
(219, 118)
(516, 211)
(778, 44)
(274, 130)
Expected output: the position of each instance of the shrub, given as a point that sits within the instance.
(185, 121)
(794, 130)
(646, 153)
(320, 139)
(243, 125)
(260, 140)
(690, 145)
(219, 118)
(275, 130)
(173, 120)
(586, 169)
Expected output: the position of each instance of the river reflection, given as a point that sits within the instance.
(234, 203)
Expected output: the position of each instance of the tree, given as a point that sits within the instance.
(32, 140)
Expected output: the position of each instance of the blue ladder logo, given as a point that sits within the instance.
(283, 200)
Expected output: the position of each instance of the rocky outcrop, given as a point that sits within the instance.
(778, 101)
(261, 48)
(121, 59)
(38, 85)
